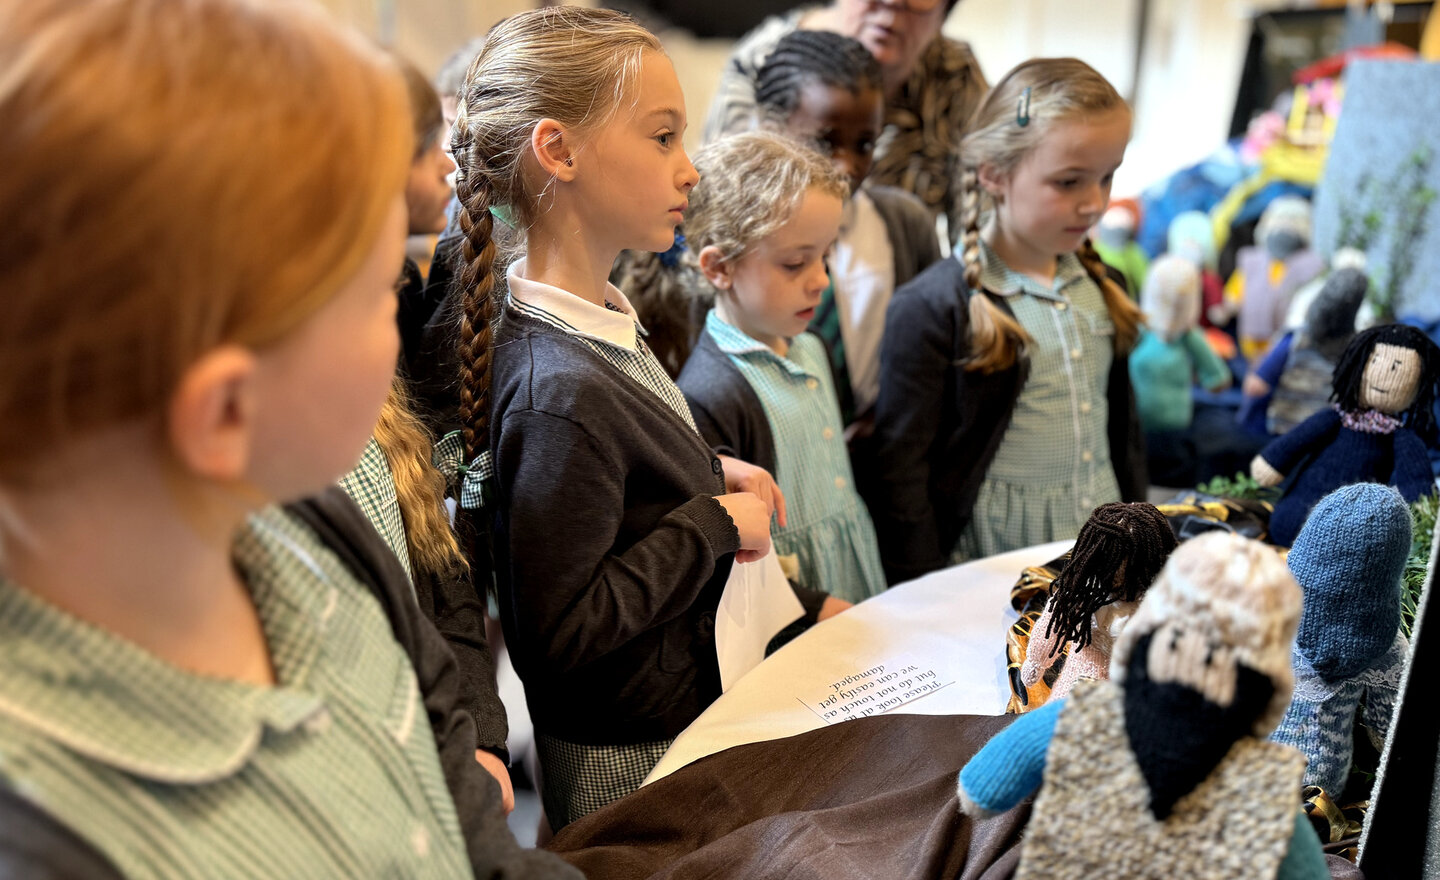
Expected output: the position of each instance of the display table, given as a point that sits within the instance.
(953, 621)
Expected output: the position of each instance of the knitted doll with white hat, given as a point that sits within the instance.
(1377, 431)
(1164, 771)
(1349, 653)
(1268, 274)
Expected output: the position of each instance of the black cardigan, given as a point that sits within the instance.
(611, 550)
(32, 844)
(938, 426)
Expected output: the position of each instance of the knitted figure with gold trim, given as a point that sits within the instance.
(1164, 771)
(1349, 653)
(1376, 431)
(1120, 550)
(1268, 273)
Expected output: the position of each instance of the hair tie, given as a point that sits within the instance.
(671, 258)
(1022, 109)
(505, 215)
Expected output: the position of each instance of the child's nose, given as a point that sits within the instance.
(688, 175)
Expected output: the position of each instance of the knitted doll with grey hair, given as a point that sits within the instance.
(1164, 771)
(1349, 653)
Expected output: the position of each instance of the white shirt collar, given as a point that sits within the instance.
(574, 314)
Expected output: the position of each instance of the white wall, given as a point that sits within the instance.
(1186, 92)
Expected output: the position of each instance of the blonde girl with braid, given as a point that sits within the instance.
(615, 524)
(1005, 413)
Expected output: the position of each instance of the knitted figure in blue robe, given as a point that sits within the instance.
(1349, 653)
(1164, 771)
(1376, 431)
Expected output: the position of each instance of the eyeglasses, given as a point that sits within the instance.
(917, 6)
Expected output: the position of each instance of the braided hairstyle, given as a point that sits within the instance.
(571, 64)
(804, 56)
(1119, 553)
(1060, 89)
(1350, 372)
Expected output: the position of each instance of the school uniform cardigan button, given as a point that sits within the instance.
(715, 466)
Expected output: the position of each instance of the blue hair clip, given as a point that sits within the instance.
(1022, 110)
(671, 258)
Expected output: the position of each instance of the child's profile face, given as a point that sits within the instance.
(320, 389)
(428, 190)
(633, 178)
(776, 285)
(843, 123)
(1051, 198)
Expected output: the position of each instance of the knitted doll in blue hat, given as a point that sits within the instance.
(1349, 653)
(1376, 432)
(1164, 771)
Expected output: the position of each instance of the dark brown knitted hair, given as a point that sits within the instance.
(1128, 543)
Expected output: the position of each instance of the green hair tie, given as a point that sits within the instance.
(505, 215)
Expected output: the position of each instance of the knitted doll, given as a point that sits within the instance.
(1118, 554)
(1171, 351)
(1115, 243)
(1164, 771)
(1303, 387)
(1191, 235)
(1268, 274)
(1376, 431)
(1349, 653)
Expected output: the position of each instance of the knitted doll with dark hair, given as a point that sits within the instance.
(1164, 771)
(1120, 550)
(1376, 431)
(1349, 653)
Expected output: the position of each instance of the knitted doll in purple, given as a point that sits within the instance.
(1349, 653)
(1376, 431)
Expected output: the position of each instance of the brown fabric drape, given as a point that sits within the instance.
(869, 798)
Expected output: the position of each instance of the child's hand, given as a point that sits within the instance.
(752, 520)
(1263, 473)
(832, 607)
(742, 476)
(496, 768)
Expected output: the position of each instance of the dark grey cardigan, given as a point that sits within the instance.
(938, 425)
(611, 550)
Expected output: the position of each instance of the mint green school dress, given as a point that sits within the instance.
(828, 528)
(1052, 468)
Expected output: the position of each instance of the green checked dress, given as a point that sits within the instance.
(827, 526)
(1053, 465)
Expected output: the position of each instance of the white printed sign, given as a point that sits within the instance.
(874, 691)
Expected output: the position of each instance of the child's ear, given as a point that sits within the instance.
(553, 146)
(211, 415)
(715, 267)
(991, 180)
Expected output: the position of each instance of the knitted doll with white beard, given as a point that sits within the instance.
(1164, 771)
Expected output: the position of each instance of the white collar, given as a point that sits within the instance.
(574, 314)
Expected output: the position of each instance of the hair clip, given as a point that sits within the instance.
(671, 258)
(504, 214)
(1022, 110)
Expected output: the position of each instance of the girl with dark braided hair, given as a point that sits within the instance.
(615, 524)
(1024, 336)
(826, 88)
(1118, 555)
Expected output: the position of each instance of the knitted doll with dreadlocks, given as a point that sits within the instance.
(1164, 771)
(1120, 550)
(1376, 432)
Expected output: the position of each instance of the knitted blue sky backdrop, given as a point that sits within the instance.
(1382, 178)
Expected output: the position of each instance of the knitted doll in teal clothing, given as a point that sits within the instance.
(1164, 771)
(1349, 653)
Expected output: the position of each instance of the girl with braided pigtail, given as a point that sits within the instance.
(1023, 336)
(1118, 555)
(615, 525)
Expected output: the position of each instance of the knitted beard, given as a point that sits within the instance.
(1179, 735)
